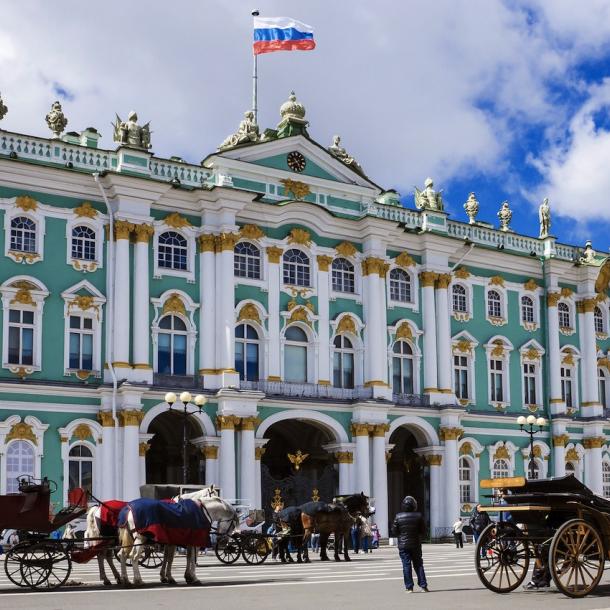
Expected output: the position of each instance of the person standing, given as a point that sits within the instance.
(479, 520)
(457, 534)
(409, 527)
(376, 536)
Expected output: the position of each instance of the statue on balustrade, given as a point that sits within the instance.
(3, 109)
(544, 215)
(505, 215)
(428, 199)
(472, 208)
(129, 133)
(56, 120)
(337, 151)
(246, 133)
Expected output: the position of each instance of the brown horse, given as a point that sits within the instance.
(336, 518)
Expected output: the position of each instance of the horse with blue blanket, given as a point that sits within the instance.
(186, 522)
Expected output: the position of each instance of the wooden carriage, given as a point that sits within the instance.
(560, 523)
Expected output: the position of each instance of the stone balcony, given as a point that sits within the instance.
(308, 391)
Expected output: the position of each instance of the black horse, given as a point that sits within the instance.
(335, 518)
(290, 529)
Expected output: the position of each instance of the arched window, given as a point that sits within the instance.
(343, 276)
(402, 368)
(466, 480)
(501, 469)
(172, 341)
(494, 304)
(458, 293)
(19, 461)
(173, 251)
(23, 234)
(80, 468)
(563, 311)
(295, 355)
(343, 362)
(296, 268)
(598, 320)
(605, 479)
(527, 310)
(601, 380)
(400, 286)
(83, 243)
(20, 337)
(247, 352)
(247, 261)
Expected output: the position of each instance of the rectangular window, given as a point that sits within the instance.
(21, 337)
(295, 364)
(460, 371)
(566, 387)
(529, 384)
(496, 380)
(81, 343)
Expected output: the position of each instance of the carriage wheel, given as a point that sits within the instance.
(502, 561)
(255, 550)
(12, 563)
(227, 549)
(152, 557)
(576, 558)
(46, 566)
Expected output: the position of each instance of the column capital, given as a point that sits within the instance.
(586, 306)
(207, 242)
(210, 452)
(344, 457)
(373, 264)
(433, 459)
(427, 278)
(552, 298)
(226, 241)
(450, 434)
(359, 429)
(561, 440)
(143, 233)
(380, 430)
(130, 417)
(249, 423)
(227, 422)
(324, 261)
(259, 452)
(593, 442)
(143, 448)
(105, 418)
(274, 253)
(443, 280)
(122, 229)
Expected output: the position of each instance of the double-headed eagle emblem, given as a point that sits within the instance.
(296, 459)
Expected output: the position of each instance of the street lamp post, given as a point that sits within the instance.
(527, 425)
(187, 409)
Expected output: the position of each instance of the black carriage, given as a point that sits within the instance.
(254, 547)
(558, 523)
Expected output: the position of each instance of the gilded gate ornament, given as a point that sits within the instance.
(296, 459)
(276, 502)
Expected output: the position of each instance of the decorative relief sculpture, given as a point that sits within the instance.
(428, 199)
(505, 215)
(3, 108)
(246, 133)
(472, 208)
(297, 189)
(129, 133)
(544, 215)
(337, 151)
(56, 120)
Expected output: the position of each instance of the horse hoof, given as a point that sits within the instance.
(193, 581)
(163, 580)
(299, 560)
(347, 558)
(307, 560)
(324, 559)
(171, 581)
(337, 558)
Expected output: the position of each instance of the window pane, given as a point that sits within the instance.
(13, 345)
(348, 370)
(396, 375)
(87, 347)
(163, 354)
(75, 322)
(407, 370)
(27, 349)
(14, 315)
(294, 333)
(295, 364)
(86, 475)
(239, 359)
(74, 351)
(337, 368)
(252, 361)
(179, 355)
(74, 474)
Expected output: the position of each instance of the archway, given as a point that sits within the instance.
(408, 473)
(164, 458)
(316, 475)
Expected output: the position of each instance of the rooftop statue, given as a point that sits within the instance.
(246, 133)
(544, 215)
(588, 255)
(336, 150)
(428, 199)
(56, 120)
(505, 215)
(472, 208)
(3, 109)
(129, 133)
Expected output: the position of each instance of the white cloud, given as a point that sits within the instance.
(415, 88)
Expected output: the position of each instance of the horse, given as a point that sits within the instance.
(337, 518)
(291, 529)
(214, 509)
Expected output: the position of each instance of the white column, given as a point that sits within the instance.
(557, 404)
(437, 497)
(380, 479)
(130, 420)
(225, 309)
(210, 452)
(207, 311)
(142, 449)
(122, 296)
(247, 461)
(375, 330)
(427, 279)
(274, 255)
(451, 475)
(66, 469)
(324, 366)
(259, 451)
(108, 491)
(593, 463)
(559, 455)
(588, 369)
(226, 425)
(360, 432)
(346, 461)
(141, 324)
(443, 336)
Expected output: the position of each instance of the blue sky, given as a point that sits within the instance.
(506, 98)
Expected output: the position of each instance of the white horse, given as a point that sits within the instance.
(215, 509)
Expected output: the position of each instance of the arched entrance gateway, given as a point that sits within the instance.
(295, 466)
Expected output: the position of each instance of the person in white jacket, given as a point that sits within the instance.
(457, 534)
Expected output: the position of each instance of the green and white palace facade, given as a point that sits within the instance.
(393, 347)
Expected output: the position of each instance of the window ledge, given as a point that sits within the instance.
(499, 406)
(530, 326)
(161, 272)
(461, 316)
(496, 321)
(21, 370)
(82, 374)
(565, 330)
(84, 265)
(24, 257)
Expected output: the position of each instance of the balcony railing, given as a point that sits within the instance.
(307, 390)
(185, 382)
(411, 400)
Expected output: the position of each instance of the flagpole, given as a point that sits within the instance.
(255, 13)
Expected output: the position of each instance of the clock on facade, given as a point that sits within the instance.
(296, 161)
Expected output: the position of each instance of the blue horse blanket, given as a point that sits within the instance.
(181, 523)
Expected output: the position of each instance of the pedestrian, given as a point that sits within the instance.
(541, 576)
(315, 542)
(355, 535)
(479, 520)
(13, 539)
(376, 536)
(457, 534)
(409, 527)
(366, 535)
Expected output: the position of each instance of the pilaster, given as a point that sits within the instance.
(274, 255)
(324, 367)
(207, 310)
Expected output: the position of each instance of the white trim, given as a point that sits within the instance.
(538, 372)
(189, 233)
(331, 424)
(263, 335)
(512, 450)
(37, 216)
(567, 330)
(97, 226)
(502, 292)
(311, 345)
(461, 316)
(423, 431)
(414, 344)
(413, 273)
(535, 297)
(505, 359)
(204, 419)
(470, 359)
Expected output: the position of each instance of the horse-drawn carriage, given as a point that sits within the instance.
(560, 523)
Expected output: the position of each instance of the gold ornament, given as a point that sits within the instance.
(552, 298)
(374, 265)
(380, 430)
(299, 236)
(434, 459)
(122, 229)
(298, 190)
(530, 285)
(561, 440)
(296, 459)
(143, 233)
(207, 242)
(498, 350)
(85, 210)
(443, 280)
(346, 249)
(23, 296)
(105, 418)
(360, 429)
(176, 221)
(174, 304)
(466, 448)
(249, 312)
(404, 331)
(130, 417)
(427, 278)
(210, 452)
(143, 449)
(344, 457)
(405, 260)
(324, 262)
(566, 292)
(532, 354)
(463, 345)
(26, 203)
(299, 314)
(502, 453)
(249, 423)
(496, 280)
(595, 442)
(462, 273)
(226, 241)
(251, 232)
(450, 434)
(276, 503)
(347, 324)
(274, 254)
(82, 431)
(259, 452)
(21, 431)
(227, 422)
(572, 455)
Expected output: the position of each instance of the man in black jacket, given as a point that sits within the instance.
(409, 527)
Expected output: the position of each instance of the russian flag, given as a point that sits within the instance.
(281, 34)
